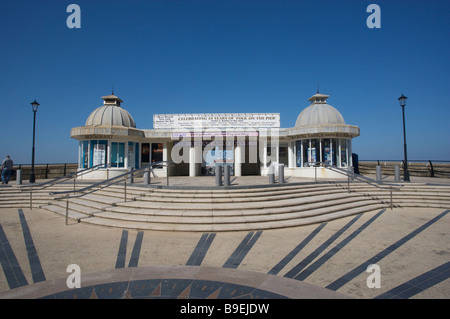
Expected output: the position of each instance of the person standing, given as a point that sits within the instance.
(7, 166)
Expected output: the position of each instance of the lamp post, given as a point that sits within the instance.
(34, 106)
(402, 101)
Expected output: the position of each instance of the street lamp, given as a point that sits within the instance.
(402, 101)
(34, 106)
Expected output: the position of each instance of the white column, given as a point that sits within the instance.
(237, 160)
(126, 155)
(291, 154)
(277, 157)
(310, 151)
(164, 151)
(277, 150)
(164, 158)
(89, 154)
(80, 150)
(192, 161)
(108, 154)
(264, 154)
(338, 154)
(302, 164)
(320, 151)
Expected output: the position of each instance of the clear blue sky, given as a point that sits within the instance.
(203, 56)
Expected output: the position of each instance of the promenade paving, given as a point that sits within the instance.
(328, 260)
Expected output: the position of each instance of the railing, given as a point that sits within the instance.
(426, 168)
(108, 182)
(58, 180)
(352, 175)
(45, 170)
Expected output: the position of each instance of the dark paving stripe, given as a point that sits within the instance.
(11, 268)
(200, 250)
(335, 285)
(275, 270)
(35, 264)
(418, 284)
(241, 251)
(134, 259)
(308, 259)
(313, 267)
(120, 262)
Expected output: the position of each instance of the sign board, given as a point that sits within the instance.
(214, 134)
(99, 154)
(216, 120)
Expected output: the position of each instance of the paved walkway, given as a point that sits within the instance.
(209, 181)
(410, 246)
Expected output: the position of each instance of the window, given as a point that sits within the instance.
(334, 151)
(313, 152)
(326, 151)
(157, 152)
(298, 155)
(83, 161)
(136, 159)
(117, 154)
(98, 151)
(145, 154)
(283, 155)
(329, 148)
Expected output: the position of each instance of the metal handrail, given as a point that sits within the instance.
(111, 181)
(359, 177)
(57, 180)
(106, 183)
(61, 179)
(364, 179)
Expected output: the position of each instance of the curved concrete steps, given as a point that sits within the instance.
(242, 224)
(249, 208)
(231, 209)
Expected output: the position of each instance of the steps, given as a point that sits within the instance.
(213, 210)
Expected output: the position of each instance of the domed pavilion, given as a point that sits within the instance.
(320, 136)
(109, 137)
(248, 142)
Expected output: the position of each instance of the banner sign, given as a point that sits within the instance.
(216, 120)
(213, 134)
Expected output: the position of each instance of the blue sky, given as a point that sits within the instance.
(211, 56)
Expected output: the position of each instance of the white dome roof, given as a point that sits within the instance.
(319, 113)
(110, 114)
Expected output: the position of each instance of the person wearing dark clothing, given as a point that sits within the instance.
(7, 166)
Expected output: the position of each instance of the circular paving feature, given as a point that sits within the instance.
(175, 282)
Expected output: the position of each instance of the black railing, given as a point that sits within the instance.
(64, 178)
(45, 170)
